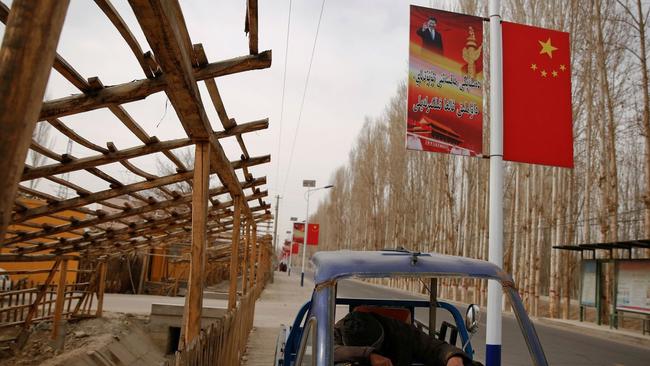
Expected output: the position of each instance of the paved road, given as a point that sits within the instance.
(562, 346)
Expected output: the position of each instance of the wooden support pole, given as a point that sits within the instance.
(244, 267)
(194, 297)
(58, 306)
(145, 269)
(255, 268)
(234, 253)
(26, 59)
(103, 266)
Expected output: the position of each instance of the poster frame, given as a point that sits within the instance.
(617, 277)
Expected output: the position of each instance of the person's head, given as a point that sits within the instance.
(361, 329)
(431, 23)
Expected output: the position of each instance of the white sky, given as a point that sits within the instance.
(360, 58)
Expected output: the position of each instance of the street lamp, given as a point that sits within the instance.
(304, 244)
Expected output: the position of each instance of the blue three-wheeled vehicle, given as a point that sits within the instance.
(309, 341)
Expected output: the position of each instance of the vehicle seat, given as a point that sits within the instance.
(401, 314)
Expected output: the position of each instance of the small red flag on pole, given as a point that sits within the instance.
(312, 235)
(537, 120)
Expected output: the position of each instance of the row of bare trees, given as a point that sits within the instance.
(388, 197)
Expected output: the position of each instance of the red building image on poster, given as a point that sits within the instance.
(445, 86)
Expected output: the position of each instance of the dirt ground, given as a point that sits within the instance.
(81, 336)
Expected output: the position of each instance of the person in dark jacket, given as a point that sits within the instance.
(431, 39)
(373, 339)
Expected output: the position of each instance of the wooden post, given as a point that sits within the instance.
(145, 269)
(257, 265)
(27, 55)
(103, 266)
(58, 306)
(234, 253)
(194, 297)
(244, 267)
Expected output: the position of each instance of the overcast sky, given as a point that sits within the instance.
(360, 59)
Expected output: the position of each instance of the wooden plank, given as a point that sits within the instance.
(194, 297)
(101, 288)
(27, 55)
(234, 257)
(58, 307)
(140, 89)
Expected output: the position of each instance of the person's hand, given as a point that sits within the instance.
(455, 361)
(379, 360)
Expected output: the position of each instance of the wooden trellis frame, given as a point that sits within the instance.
(156, 213)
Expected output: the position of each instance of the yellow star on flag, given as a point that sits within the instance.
(543, 73)
(547, 48)
(554, 73)
(562, 67)
(533, 67)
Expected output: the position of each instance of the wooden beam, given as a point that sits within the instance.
(26, 59)
(134, 152)
(35, 258)
(58, 306)
(98, 197)
(194, 297)
(232, 293)
(106, 218)
(163, 24)
(97, 160)
(140, 89)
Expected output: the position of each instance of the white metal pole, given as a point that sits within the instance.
(495, 249)
(304, 243)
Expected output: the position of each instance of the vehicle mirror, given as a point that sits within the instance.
(471, 318)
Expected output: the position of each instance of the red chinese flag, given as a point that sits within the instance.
(312, 234)
(537, 123)
(294, 248)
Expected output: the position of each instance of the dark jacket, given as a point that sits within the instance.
(402, 343)
(431, 42)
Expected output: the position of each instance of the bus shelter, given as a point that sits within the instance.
(631, 281)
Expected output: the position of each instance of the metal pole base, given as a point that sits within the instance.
(302, 279)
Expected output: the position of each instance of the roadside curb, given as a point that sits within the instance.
(599, 331)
